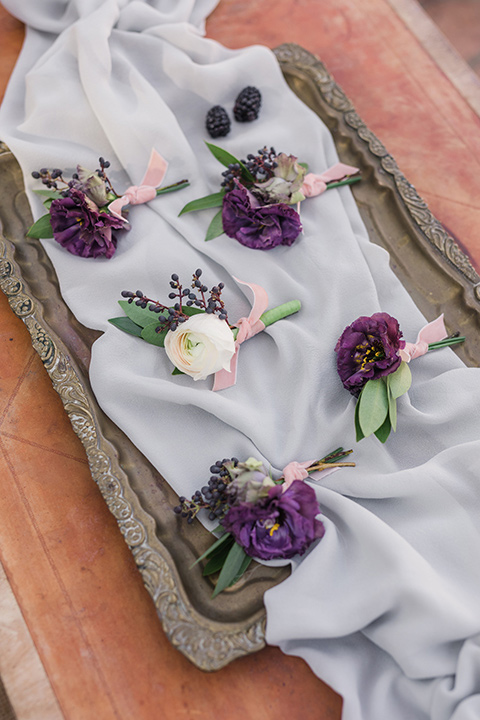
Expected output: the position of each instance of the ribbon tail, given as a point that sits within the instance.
(260, 302)
(226, 378)
(115, 207)
(156, 169)
(338, 172)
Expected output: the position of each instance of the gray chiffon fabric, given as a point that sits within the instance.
(386, 608)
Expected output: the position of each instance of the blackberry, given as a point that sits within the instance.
(247, 104)
(217, 122)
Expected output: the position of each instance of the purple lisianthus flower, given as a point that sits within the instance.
(257, 226)
(80, 228)
(281, 525)
(368, 349)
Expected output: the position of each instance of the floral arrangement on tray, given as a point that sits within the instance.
(195, 331)
(258, 196)
(372, 362)
(259, 517)
(83, 211)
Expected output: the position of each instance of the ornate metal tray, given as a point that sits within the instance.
(425, 258)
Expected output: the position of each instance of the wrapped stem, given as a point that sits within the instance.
(281, 311)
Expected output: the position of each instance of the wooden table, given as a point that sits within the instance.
(91, 620)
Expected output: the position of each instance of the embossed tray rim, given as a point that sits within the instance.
(210, 644)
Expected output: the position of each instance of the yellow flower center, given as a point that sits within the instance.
(273, 529)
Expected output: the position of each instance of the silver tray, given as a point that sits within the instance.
(431, 266)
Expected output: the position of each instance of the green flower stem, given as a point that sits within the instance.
(171, 188)
(445, 343)
(347, 181)
(276, 313)
(281, 311)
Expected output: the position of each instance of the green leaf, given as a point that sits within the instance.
(229, 572)
(127, 325)
(304, 165)
(191, 310)
(209, 201)
(399, 381)
(243, 569)
(358, 429)
(50, 194)
(41, 229)
(227, 158)
(392, 409)
(373, 408)
(150, 335)
(212, 548)
(218, 557)
(176, 371)
(215, 228)
(140, 316)
(384, 430)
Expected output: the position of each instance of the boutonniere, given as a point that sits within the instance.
(259, 517)
(195, 329)
(258, 196)
(84, 211)
(372, 362)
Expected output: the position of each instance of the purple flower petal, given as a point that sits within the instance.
(368, 349)
(80, 228)
(261, 227)
(281, 525)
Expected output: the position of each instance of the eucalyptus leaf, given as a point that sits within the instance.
(150, 334)
(227, 159)
(373, 406)
(191, 310)
(392, 409)
(399, 381)
(231, 567)
(243, 568)
(41, 229)
(217, 558)
(50, 194)
(358, 430)
(215, 228)
(127, 325)
(209, 201)
(384, 430)
(212, 548)
(139, 315)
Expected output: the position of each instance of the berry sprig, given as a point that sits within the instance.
(195, 295)
(52, 178)
(216, 496)
(260, 166)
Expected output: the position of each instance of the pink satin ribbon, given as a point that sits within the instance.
(147, 190)
(298, 471)
(317, 184)
(247, 328)
(433, 332)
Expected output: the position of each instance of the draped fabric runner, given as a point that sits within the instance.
(385, 608)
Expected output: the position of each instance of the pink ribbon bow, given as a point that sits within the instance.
(298, 471)
(433, 332)
(147, 190)
(317, 184)
(247, 328)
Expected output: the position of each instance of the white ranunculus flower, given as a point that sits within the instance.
(201, 346)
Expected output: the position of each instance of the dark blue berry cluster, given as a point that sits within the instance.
(52, 178)
(260, 166)
(195, 296)
(216, 496)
